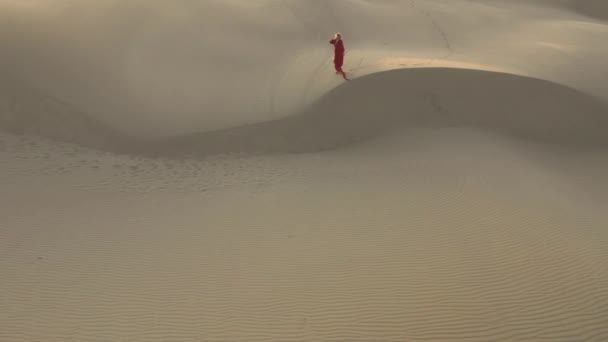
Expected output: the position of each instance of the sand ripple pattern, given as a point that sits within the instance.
(491, 246)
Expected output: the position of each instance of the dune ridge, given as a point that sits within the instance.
(387, 102)
(369, 107)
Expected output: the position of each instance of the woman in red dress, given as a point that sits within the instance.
(338, 54)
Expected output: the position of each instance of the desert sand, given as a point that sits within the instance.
(196, 171)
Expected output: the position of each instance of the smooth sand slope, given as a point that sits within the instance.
(194, 171)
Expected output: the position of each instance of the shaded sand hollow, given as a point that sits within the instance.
(195, 171)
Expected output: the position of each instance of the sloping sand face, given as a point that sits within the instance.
(374, 105)
(408, 99)
(437, 234)
(455, 190)
(154, 69)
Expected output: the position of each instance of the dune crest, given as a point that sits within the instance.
(369, 107)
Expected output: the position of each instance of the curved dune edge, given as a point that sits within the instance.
(371, 106)
(399, 99)
(593, 9)
(149, 68)
(394, 63)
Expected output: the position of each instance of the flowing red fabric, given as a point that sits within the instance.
(338, 55)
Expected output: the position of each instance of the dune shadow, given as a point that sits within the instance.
(593, 9)
(25, 110)
(385, 102)
(382, 103)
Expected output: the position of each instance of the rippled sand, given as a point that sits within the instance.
(176, 182)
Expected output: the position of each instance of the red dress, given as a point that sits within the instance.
(338, 53)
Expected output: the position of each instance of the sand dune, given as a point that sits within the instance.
(194, 171)
(594, 9)
(24, 110)
(392, 101)
(372, 106)
(460, 236)
(151, 68)
(590, 8)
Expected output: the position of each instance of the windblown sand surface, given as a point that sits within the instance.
(195, 171)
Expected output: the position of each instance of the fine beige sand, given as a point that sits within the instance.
(196, 171)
